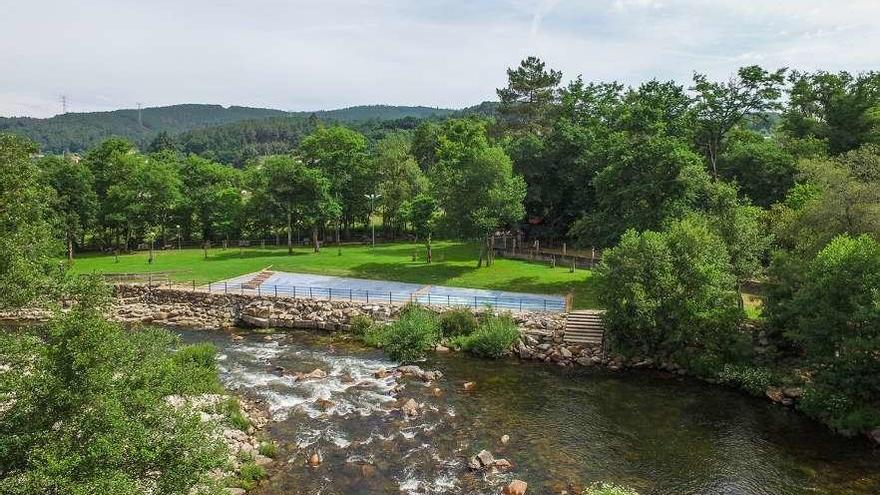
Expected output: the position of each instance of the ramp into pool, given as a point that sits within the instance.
(287, 284)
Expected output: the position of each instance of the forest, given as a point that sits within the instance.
(767, 181)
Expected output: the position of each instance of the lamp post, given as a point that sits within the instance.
(372, 197)
(178, 237)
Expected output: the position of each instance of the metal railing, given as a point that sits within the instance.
(383, 297)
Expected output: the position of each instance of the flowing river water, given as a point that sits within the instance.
(656, 433)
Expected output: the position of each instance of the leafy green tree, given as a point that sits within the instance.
(299, 193)
(475, 184)
(399, 177)
(27, 246)
(341, 155)
(832, 313)
(426, 140)
(89, 413)
(721, 106)
(147, 198)
(841, 109)
(111, 162)
(163, 142)
(645, 186)
(211, 199)
(529, 97)
(828, 201)
(763, 170)
(76, 201)
(670, 292)
(425, 215)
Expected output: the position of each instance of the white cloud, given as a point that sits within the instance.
(326, 54)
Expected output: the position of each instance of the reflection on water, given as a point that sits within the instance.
(655, 433)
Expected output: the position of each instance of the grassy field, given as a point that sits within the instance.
(454, 265)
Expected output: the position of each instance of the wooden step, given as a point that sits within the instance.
(584, 327)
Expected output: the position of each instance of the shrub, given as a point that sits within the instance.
(90, 415)
(458, 322)
(250, 475)
(608, 489)
(361, 324)
(268, 449)
(832, 313)
(752, 379)
(232, 409)
(409, 338)
(197, 367)
(665, 291)
(493, 338)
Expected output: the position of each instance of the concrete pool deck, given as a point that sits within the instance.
(364, 290)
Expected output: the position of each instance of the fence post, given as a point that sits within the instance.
(368, 296)
(389, 297)
(225, 288)
(259, 291)
(429, 298)
(350, 294)
(209, 287)
(475, 302)
(520, 305)
(330, 291)
(276, 290)
(294, 292)
(545, 305)
(310, 292)
(194, 285)
(448, 300)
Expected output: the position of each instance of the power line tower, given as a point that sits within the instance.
(140, 115)
(63, 99)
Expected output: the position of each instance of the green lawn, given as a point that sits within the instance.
(454, 264)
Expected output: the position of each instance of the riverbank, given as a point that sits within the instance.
(542, 334)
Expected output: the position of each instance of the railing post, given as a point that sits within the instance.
(448, 300)
(429, 298)
(520, 305)
(389, 297)
(310, 292)
(545, 305)
(368, 296)
(194, 285)
(225, 288)
(475, 302)
(276, 290)
(209, 287)
(294, 292)
(350, 295)
(330, 291)
(259, 291)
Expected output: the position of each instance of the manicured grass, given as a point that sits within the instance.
(454, 265)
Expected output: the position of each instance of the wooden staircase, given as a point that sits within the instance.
(258, 280)
(584, 327)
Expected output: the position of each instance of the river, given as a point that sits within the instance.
(657, 433)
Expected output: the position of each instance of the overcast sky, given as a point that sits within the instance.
(323, 54)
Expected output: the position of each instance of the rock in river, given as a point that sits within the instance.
(515, 487)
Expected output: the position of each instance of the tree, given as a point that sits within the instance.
(399, 177)
(841, 109)
(76, 201)
(298, 192)
(763, 170)
(89, 413)
(832, 313)
(828, 201)
(27, 246)
(645, 185)
(530, 93)
(669, 292)
(341, 155)
(475, 184)
(110, 163)
(424, 215)
(163, 142)
(721, 106)
(211, 197)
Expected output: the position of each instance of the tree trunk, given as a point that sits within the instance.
(315, 239)
(289, 233)
(70, 247)
(429, 255)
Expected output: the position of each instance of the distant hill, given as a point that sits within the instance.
(78, 131)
